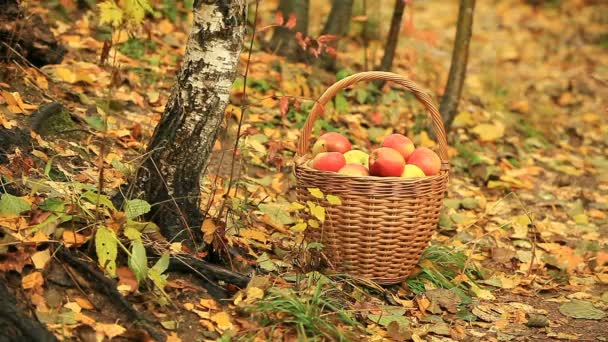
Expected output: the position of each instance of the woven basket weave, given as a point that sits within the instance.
(383, 224)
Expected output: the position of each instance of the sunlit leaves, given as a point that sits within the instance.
(129, 13)
(110, 13)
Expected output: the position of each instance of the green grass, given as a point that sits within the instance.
(440, 266)
(136, 48)
(313, 312)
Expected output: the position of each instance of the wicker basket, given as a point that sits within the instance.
(384, 223)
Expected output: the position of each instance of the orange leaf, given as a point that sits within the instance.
(32, 280)
(284, 105)
(278, 18)
(72, 238)
(291, 22)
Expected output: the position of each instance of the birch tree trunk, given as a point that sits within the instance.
(460, 55)
(181, 145)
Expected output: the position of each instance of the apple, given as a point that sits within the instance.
(401, 143)
(357, 157)
(427, 160)
(354, 170)
(331, 142)
(329, 161)
(386, 162)
(412, 171)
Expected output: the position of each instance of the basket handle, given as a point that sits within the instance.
(304, 140)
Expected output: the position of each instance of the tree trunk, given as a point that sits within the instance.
(284, 41)
(393, 36)
(458, 68)
(182, 142)
(337, 24)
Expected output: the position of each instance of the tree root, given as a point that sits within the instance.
(107, 286)
(15, 326)
(209, 274)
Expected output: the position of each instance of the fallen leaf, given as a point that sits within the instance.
(581, 309)
(489, 132)
(109, 330)
(41, 258)
(222, 319)
(32, 280)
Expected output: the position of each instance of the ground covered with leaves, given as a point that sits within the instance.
(521, 250)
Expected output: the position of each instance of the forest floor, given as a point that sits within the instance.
(522, 244)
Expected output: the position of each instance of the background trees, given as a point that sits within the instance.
(458, 68)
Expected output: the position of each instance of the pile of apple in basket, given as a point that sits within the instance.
(398, 157)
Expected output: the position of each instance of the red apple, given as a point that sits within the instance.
(400, 143)
(354, 170)
(329, 161)
(386, 162)
(427, 160)
(331, 142)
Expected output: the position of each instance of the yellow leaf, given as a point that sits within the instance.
(109, 330)
(300, 227)
(32, 280)
(313, 223)
(482, 293)
(208, 229)
(253, 294)
(253, 234)
(65, 74)
(296, 206)
(316, 192)
(463, 119)
(581, 219)
(318, 212)
(334, 200)
(110, 13)
(489, 132)
(209, 304)
(188, 306)
(222, 319)
(425, 140)
(41, 258)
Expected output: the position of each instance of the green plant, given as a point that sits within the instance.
(444, 267)
(314, 311)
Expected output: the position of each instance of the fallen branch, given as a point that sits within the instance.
(210, 274)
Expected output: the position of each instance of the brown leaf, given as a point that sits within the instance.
(127, 277)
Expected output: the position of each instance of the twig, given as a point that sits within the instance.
(243, 102)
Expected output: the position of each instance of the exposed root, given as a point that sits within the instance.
(107, 286)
